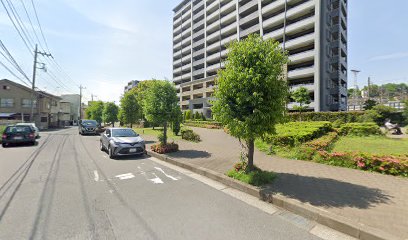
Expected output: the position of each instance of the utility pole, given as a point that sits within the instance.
(80, 101)
(92, 97)
(36, 52)
(368, 88)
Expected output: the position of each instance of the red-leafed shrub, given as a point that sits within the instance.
(164, 148)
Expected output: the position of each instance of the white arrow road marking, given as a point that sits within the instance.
(96, 176)
(156, 180)
(125, 176)
(165, 174)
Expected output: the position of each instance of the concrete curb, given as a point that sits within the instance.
(336, 222)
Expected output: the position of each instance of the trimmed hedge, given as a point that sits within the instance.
(204, 124)
(326, 116)
(360, 129)
(298, 132)
(162, 148)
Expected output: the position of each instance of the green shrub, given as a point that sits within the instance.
(293, 133)
(256, 177)
(190, 135)
(197, 116)
(160, 137)
(345, 117)
(188, 115)
(203, 118)
(204, 124)
(338, 123)
(360, 129)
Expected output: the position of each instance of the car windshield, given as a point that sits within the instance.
(18, 129)
(89, 123)
(124, 133)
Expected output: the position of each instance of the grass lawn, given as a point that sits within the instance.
(156, 132)
(373, 144)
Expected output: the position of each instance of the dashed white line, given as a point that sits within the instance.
(125, 176)
(165, 174)
(96, 178)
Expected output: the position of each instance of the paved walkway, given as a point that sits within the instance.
(372, 199)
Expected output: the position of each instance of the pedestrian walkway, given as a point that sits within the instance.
(371, 199)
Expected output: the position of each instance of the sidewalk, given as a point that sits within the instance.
(371, 199)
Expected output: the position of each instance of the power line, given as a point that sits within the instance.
(12, 73)
(9, 57)
(31, 23)
(39, 25)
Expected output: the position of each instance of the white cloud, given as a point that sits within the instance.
(389, 56)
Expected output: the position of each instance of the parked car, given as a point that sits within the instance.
(18, 134)
(37, 131)
(88, 127)
(122, 142)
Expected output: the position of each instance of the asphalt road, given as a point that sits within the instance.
(66, 188)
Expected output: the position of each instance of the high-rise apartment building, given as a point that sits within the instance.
(314, 32)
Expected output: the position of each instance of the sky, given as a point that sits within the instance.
(103, 44)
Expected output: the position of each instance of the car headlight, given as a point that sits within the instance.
(117, 143)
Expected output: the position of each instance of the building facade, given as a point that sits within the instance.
(131, 84)
(18, 102)
(314, 32)
(74, 100)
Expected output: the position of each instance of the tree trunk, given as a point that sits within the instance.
(165, 133)
(131, 125)
(250, 145)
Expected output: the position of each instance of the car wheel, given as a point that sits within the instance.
(101, 146)
(4, 145)
(110, 152)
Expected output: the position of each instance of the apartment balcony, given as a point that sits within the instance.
(249, 18)
(198, 43)
(247, 6)
(213, 47)
(186, 58)
(177, 47)
(177, 38)
(300, 9)
(177, 22)
(231, 17)
(198, 53)
(186, 15)
(213, 26)
(198, 72)
(186, 76)
(273, 20)
(198, 24)
(213, 6)
(197, 34)
(187, 23)
(232, 28)
(213, 16)
(177, 71)
(187, 67)
(186, 50)
(224, 53)
(177, 63)
(186, 32)
(177, 55)
(198, 15)
(275, 34)
(229, 39)
(250, 30)
(177, 30)
(213, 68)
(299, 26)
(300, 41)
(186, 41)
(213, 36)
(198, 62)
(272, 6)
(310, 87)
(198, 5)
(213, 57)
(302, 57)
(301, 73)
(229, 7)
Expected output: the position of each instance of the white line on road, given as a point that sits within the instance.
(96, 176)
(125, 176)
(169, 176)
(156, 180)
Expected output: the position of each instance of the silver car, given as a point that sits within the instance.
(122, 142)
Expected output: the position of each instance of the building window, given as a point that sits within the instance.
(26, 103)
(7, 102)
(44, 119)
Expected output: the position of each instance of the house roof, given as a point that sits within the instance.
(3, 81)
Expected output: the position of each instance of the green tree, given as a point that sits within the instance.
(197, 116)
(369, 104)
(188, 115)
(129, 108)
(176, 124)
(160, 104)
(110, 113)
(301, 96)
(405, 113)
(140, 91)
(94, 111)
(252, 91)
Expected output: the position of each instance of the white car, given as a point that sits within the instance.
(36, 130)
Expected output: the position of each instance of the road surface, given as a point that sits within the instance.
(66, 188)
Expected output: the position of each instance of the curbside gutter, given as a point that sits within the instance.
(333, 221)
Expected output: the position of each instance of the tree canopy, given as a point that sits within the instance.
(130, 110)
(110, 113)
(95, 110)
(160, 104)
(252, 91)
